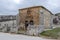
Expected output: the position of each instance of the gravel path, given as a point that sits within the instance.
(6, 36)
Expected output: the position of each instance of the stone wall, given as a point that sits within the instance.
(8, 26)
(47, 18)
(34, 13)
(35, 29)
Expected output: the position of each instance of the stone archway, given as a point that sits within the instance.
(31, 22)
(26, 24)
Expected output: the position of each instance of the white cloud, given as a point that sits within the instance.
(9, 6)
(18, 1)
(12, 6)
(54, 3)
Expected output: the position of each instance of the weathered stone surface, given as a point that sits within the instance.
(35, 29)
(34, 19)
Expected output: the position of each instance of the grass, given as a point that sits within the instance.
(51, 33)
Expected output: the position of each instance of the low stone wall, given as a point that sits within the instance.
(8, 26)
(35, 29)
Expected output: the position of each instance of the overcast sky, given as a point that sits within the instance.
(10, 7)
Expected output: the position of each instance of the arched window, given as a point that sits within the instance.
(31, 22)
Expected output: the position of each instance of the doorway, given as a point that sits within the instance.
(26, 25)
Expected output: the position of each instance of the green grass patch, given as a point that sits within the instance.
(51, 33)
